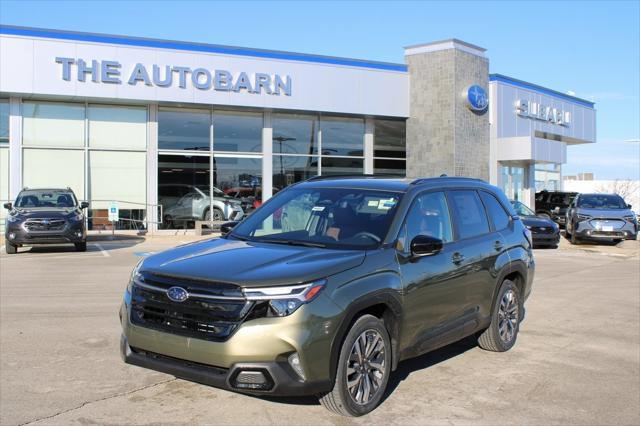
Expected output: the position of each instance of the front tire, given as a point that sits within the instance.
(81, 246)
(217, 215)
(505, 320)
(574, 240)
(10, 248)
(364, 367)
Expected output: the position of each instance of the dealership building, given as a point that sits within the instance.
(155, 124)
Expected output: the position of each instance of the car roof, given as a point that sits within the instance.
(395, 184)
(47, 189)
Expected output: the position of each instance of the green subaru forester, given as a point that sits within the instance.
(331, 283)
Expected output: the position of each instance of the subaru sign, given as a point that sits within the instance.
(477, 98)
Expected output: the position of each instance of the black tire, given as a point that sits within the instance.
(81, 246)
(218, 215)
(339, 399)
(167, 222)
(10, 248)
(574, 240)
(491, 339)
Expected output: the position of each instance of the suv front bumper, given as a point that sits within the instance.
(258, 345)
(71, 233)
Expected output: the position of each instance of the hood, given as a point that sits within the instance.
(251, 264)
(44, 212)
(606, 213)
(537, 221)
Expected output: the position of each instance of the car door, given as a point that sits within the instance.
(432, 284)
(475, 254)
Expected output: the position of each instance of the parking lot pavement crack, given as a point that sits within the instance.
(95, 401)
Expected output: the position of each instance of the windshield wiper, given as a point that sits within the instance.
(292, 242)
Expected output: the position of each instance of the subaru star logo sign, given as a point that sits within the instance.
(177, 294)
(477, 98)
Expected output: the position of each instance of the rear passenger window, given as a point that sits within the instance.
(496, 212)
(472, 220)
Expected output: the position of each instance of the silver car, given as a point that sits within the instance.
(602, 216)
(196, 204)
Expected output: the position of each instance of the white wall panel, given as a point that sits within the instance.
(315, 86)
(52, 168)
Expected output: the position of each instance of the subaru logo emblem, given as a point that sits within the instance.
(477, 98)
(45, 221)
(177, 294)
(543, 229)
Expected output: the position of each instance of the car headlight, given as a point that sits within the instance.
(583, 216)
(78, 216)
(285, 300)
(630, 218)
(13, 219)
(135, 276)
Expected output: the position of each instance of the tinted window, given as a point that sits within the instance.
(495, 210)
(470, 214)
(428, 215)
(46, 198)
(601, 201)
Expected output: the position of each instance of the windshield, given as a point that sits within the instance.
(521, 209)
(601, 202)
(46, 198)
(323, 217)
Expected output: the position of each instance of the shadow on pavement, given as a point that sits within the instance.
(93, 245)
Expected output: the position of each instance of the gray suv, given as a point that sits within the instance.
(187, 203)
(600, 216)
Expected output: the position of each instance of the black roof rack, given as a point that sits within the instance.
(354, 176)
(431, 179)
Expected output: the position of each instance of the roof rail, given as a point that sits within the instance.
(418, 181)
(354, 176)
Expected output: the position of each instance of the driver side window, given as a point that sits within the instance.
(428, 215)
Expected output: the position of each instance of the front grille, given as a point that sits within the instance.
(603, 224)
(542, 230)
(44, 225)
(213, 311)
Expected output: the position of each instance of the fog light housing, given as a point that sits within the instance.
(12, 235)
(294, 362)
(252, 380)
(79, 234)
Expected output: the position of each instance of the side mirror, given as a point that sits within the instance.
(84, 204)
(629, 206)
(225, 228)
(8, 206)
(424, 245)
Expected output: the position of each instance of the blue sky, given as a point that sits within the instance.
(590, 48)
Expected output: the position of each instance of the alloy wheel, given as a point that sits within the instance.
(508, 316)
(366, 367)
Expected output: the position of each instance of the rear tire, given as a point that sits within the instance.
(217, 215)
(10, 248)
(505, 319)
(368, 374)
(81, 246)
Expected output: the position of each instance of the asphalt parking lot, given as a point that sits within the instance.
(577, 360)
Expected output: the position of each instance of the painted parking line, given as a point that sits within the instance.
(103, 251)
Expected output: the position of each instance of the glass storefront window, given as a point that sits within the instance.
(240, 178)
(117, 127)
(547, 176)
(183, 129)
(390, 167)
(4, 184)
(341, 166)
(237, 131)
(54, 168)
(288, 170)
(390, 139)
(4, 121)
(183, 188)
(294, 134)
(117, 176)
(342, 136)
(53, 124)
(513, 182)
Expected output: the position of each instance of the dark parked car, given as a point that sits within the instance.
(45, 216)
(554, 204)
(358, 275)
(601, 216)
(544, 231)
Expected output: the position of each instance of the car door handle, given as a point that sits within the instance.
(498, 246)
(457, 258)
